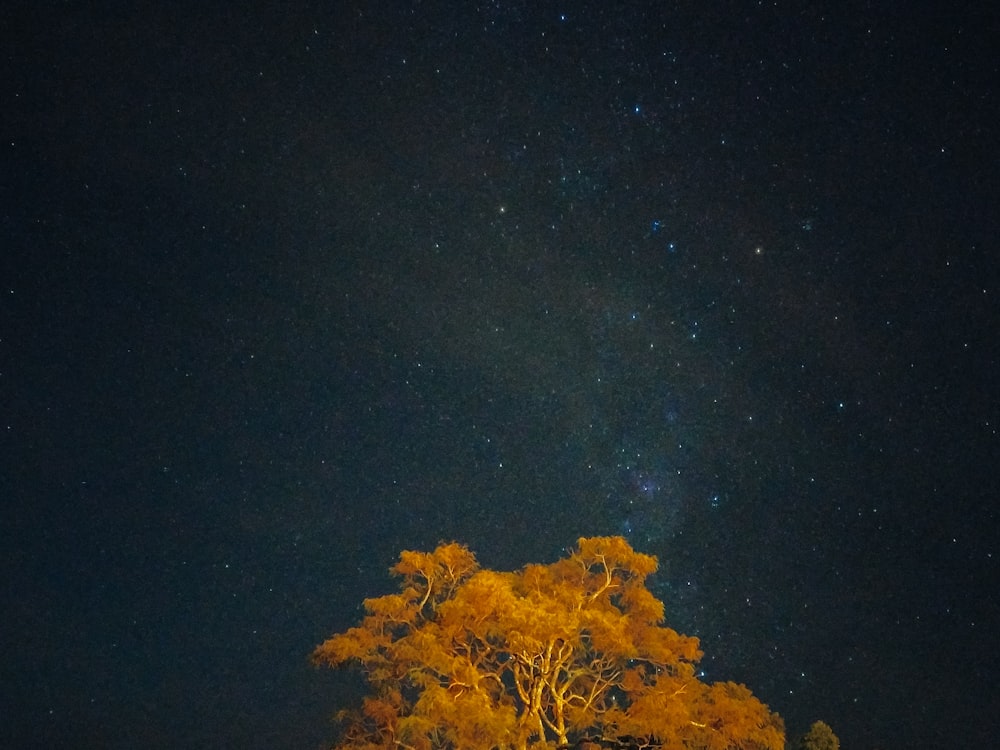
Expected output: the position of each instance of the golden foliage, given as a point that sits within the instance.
(471, 659)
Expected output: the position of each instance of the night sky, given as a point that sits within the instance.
(288, 290)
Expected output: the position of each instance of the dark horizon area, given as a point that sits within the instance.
(287, 290)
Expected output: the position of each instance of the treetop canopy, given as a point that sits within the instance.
(467, 658)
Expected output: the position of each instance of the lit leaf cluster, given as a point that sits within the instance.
(465, 658)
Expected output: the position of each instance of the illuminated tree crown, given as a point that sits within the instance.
(465, 658)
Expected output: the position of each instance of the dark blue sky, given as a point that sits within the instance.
(285, 291)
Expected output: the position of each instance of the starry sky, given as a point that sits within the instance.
(286, 290)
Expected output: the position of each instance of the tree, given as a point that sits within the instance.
(819, 737)
(465, 658)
